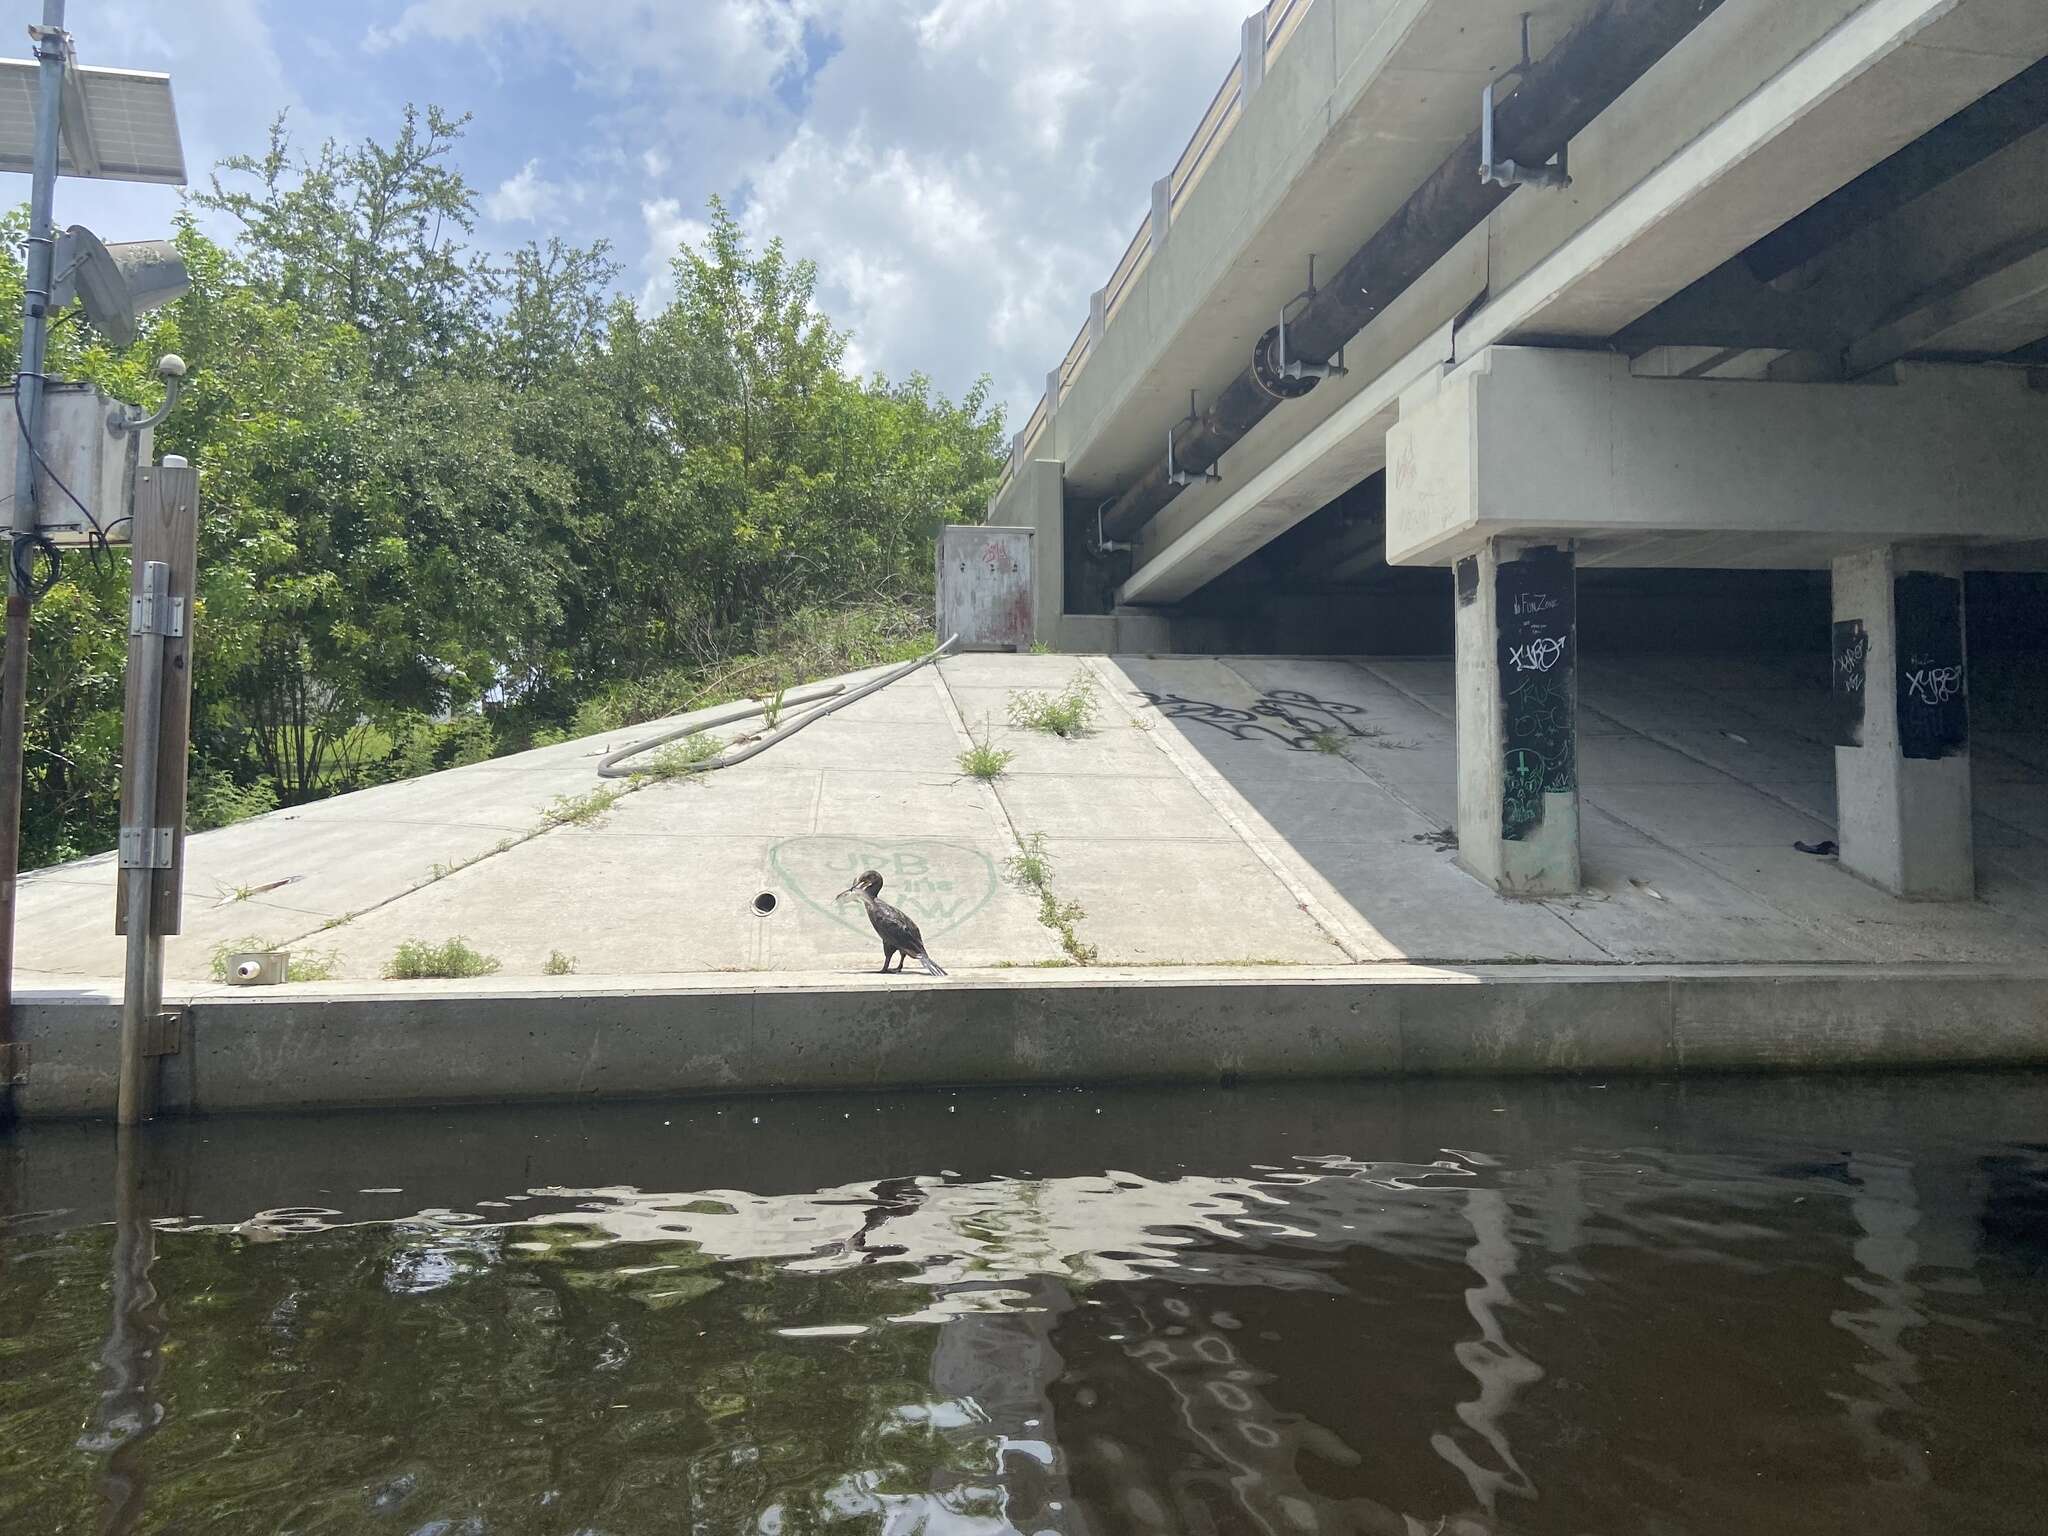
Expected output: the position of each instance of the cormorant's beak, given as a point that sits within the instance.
(847, 892)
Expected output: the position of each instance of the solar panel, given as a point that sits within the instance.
(119, 124)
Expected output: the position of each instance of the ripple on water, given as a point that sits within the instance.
(1726, 1309)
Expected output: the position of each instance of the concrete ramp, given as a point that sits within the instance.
(1220, 812)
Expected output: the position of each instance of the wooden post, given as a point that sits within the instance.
(157, 727)
(166, 528)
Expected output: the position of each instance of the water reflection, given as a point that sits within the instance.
(1305, 1314)
(129, 1410)
(1500, 1369)
(1887, 1210)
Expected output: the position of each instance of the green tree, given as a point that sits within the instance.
(432, 484)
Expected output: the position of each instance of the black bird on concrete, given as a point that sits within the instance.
(900, 938)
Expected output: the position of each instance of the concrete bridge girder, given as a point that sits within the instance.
(1764, 111)
(1366, 99)
(1534, 441)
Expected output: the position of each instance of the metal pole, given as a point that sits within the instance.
(139, 843)
(35, 306)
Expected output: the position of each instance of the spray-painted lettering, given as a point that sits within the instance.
(1934, 685)
(1537, 655)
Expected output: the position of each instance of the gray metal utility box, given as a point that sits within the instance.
(985, 587)
(98, 466)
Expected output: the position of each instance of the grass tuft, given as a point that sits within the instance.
(680, 758)
(451, 960)
(984, 760)
(1070, 712)
(558, 964)
(1031, 867)
(581, 810)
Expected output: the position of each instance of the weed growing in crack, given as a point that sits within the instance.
(581, 810)
(1070, 712)
(1031, 867)
(682, 758)
(453, 959)
(984, 760)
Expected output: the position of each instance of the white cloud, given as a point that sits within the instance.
(525, 198)
(970, 170)
(964, 172)
(227, 81)
(737, 47)
(668, 230)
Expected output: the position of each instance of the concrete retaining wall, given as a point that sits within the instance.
(525, 1041)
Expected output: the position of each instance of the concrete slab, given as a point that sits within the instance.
(2028, 748)
(2017, 804)
(1707, 815)
(1166, 903)
(1609, 760)
(1852, 914)
(853, 802)
(1207, 830)
(1419, 905)
(1652, 903)
(1099, 806)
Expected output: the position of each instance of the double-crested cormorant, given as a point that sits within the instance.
(900, 938)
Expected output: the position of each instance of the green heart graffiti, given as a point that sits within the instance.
(940, 885)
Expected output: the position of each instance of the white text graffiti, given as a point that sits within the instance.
(1537, 655)
(1934, 685)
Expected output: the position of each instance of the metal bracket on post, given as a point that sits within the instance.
(1185, 477)
(1506, 173)
(154, 614)
(145, 848)
(163, 1034)
(1333, 369)
(1118, 546)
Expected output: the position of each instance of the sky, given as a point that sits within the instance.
(963, 172)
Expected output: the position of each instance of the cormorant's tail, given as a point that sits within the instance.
(931, 966)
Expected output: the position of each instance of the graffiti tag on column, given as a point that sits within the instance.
(1302, 717)
(1852, 656)
(1535, 609)
(1934, 711)
(1537, 655)
(1935, 685)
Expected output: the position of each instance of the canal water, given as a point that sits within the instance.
(1709, 1306)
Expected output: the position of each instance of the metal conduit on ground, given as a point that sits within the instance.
(1554, 99)
(608, 766)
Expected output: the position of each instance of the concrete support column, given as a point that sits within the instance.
(1902, 743)
(1040, 504)
(1517, 703)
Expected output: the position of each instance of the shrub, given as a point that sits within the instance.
(214, 799)
(984, 760)
(452, 960)
(1067, 713)
(558, 964)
